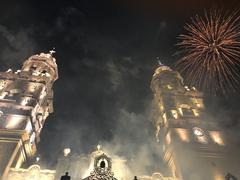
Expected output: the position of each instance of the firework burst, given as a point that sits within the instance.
(211, 51)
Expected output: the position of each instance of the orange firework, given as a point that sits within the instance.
(211, 51)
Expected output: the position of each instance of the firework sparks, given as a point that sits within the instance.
(211, 51)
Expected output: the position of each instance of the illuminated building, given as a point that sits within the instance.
(102, 168)
(87, 166)
(194, 147)
(34, 172)
(26, 99)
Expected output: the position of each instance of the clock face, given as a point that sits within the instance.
(198, 131)
(200, 135)
(102, 164)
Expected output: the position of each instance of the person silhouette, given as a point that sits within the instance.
(65, 177)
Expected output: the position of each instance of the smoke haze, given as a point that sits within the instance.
(106, 54)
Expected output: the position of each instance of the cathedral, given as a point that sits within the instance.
(193, 146)
(26, 99)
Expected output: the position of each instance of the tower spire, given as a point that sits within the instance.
(52, 51)
(159, 62)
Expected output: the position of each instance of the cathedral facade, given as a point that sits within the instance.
(194, 146)
(26, 99)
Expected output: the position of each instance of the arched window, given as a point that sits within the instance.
(44, 71)
(33, 67)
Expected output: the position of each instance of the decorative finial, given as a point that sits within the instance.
(66, 152)
(159, 62)
(37, 158)
(98, 147)
(52, 51)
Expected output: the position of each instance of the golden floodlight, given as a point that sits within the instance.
(183, 134)
(216, 137)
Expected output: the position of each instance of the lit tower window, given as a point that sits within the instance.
(216, 137)
(183, 134)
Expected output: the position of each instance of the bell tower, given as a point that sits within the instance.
(194, 147)
(26, 99)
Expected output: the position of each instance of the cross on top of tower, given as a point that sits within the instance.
(53, 51)
(98, 147)
(159, 62)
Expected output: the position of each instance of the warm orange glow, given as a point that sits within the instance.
(161, 69)
(34, 172)
(2, 95)
(183, 134)
(14, 121)
(202, 139)
(218, 175)
(26, 102)
(161, 107)
(216, 137)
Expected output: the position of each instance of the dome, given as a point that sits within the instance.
(45, 58)
(160, 69)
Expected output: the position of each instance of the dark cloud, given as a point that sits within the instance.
(16, 46)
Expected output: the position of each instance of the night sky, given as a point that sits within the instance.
(106, 55)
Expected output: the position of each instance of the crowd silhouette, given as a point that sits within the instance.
(65, 177)
(227, 177)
